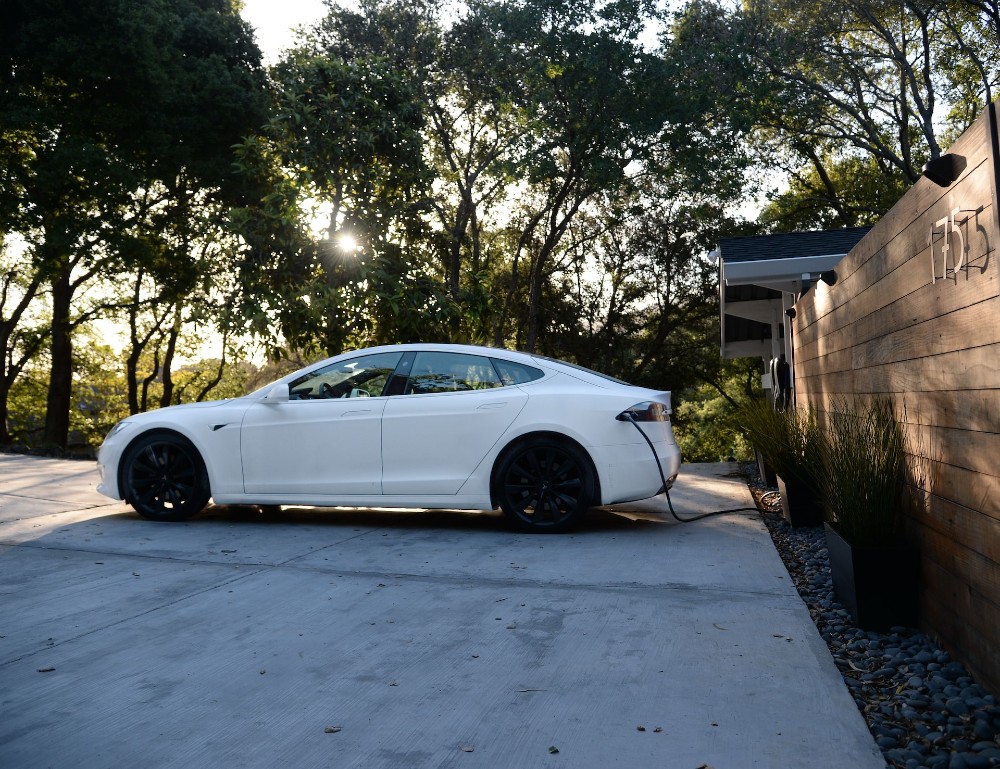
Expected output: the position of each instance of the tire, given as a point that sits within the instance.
(545, 485)
(164, 478)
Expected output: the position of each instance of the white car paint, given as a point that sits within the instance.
(437, 449)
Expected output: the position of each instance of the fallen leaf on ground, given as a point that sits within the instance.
(46, 670)
(332, 729)
(553, 749)
(467, 748)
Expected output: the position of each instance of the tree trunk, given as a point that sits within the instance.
(58, 400)
(168, 359)
(4, 412)
(535, 301)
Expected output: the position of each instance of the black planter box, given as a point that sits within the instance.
(801, 503)
(879, 586)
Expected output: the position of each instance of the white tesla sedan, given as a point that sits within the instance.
(417, 425)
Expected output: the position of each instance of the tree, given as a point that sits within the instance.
(21, 336)
(835, 92)
(346, 139)
(595, 104)
(101, 102)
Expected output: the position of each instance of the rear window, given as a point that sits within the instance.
(516, 373)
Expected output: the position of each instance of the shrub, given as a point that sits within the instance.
(864, 457)
(790, 440)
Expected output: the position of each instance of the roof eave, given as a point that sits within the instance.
(778, 274)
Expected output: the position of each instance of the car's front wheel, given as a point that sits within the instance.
(545, 485)
(164, 478)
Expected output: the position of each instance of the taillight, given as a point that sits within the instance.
(648, 411)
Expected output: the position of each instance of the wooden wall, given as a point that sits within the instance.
(898, 323)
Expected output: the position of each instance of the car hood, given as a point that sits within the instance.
(181, 408)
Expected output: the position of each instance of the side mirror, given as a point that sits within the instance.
(277, 394)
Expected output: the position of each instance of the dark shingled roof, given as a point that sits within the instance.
(791, 244)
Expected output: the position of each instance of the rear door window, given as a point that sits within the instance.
(441, 372)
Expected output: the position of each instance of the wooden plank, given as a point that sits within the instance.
(966, 527)
(809, 385)
(966, 449)
(905, 297)
(958, 331)
(868, 288)
(920, 301)
(978, 411)
(967, 488)
(971, 369)
(976, 651)
(968, 628)
(960, 578)
(830, 359)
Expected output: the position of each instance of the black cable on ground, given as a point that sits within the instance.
(631, 418)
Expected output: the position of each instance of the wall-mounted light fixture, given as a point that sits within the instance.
(945, 169)
(790, 312)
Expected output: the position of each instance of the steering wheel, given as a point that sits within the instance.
(326, 390)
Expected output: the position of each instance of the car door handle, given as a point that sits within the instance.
(356, 412)
(494, 405)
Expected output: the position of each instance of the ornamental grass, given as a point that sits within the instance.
(789, 440)
(864, 465)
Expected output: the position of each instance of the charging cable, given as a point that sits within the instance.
(631, 418)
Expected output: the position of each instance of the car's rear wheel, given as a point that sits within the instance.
(164, 478)
(545, 485)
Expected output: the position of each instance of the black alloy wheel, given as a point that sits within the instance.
(164, 478)
(546, 486)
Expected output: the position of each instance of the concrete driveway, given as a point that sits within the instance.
(377, 639)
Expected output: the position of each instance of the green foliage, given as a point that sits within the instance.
(705, 429)
(864, 460)
(847, 99)
(345, 135)
(849, 192)
(791, 440)
(97, 395)
(117, 121)
(530, 173)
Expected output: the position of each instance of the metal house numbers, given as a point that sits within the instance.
(950, 226)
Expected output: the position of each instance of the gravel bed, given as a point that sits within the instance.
(922, 707)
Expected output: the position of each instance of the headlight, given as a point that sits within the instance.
(118, 428)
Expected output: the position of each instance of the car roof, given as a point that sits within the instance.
(539, 361)
(550, 365)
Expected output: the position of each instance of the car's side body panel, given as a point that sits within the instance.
(213, 427)
(563, 405)
(325, 447)
(432, 443)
